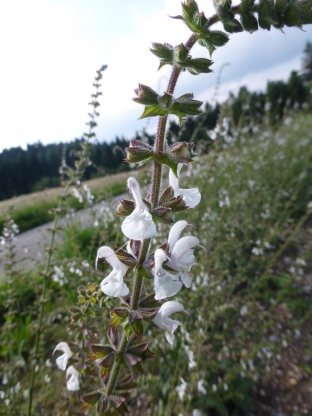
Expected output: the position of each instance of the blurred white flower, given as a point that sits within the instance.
(113, 284)
(181, 389)
(201, 387)
(139, 224)
(62, 360)
(191, 197)
(163, 321)
(72, 377)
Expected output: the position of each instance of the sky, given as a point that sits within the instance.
(50, 50)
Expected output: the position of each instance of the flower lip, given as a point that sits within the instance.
(139, 224)
(72, 377)
(62, 360)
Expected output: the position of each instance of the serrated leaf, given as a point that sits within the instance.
(162, 51)
(149, 313)
(149, 301)
(231, 24)
(118, 402)
(137, 327)
(145, 95)
(180, 54)
(108, 361)
(126, 383)
(249, 22)
(138, 349)
(247, 5)
(199, 66)
(89, 400)
(99, 351)
(292, 16)
(167, 194)
(130, 359)
(127, 328)
(153, 111)
(264, 15)
(113, 336)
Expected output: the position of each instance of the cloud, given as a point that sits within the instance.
(51, 49)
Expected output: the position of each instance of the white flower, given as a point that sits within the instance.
(113, 284)
(182, 256)
(182, 388)
(62, 360)
(166, 284)
(191, 197)
(163, 321)
(139, 224)
(72, 377)
(201, 387)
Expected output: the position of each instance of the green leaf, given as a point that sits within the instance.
(118, 316)
(249, 22)
(146, 95)
(99, 351)
(127, 328)
(231, 24)
(180, 54)
(247, 5)
(153, 111)
(163, 51)
(264, 15)
(292, 16)
(137, 327)
(89, 400)
(199, 65)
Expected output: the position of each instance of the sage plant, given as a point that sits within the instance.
(144, 278)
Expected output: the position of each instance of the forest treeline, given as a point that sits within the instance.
(37, 167)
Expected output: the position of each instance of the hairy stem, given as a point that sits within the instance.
(113, 377)
(155, 190)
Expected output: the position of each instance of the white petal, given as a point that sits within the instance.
(182, 246)
(135, 191)
(191, 197)
(186, 279)
(175, 233)
(114, 288)
(73, 381)
(166, 286)
(139, 225)
(62, 361)
(170, 307)
(109, 255)
(174, 182)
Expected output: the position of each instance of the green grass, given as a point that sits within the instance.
(248, 302)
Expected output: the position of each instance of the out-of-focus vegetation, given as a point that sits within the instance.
(246, 348)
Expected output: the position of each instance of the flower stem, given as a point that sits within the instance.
(155, 190)
(113, 376)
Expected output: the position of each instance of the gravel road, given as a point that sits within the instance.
(30, 245)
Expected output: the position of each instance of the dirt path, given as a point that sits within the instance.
(31, 244)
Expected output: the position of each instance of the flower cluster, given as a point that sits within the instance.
(72, 375)
(170, 265)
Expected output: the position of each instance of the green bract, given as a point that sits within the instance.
(167, 104)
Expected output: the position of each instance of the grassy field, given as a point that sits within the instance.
(36, 208)
(247, 346)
